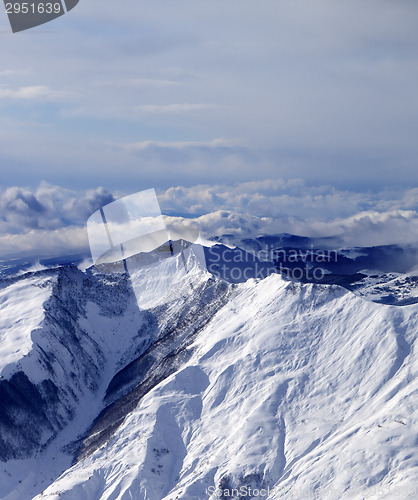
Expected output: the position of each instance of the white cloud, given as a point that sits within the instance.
(44, 243)
(362, 229)
(179, 145)
(178, 108)
(32, 92)
(47, 208)
(50, 220)
(277, 197)
(7, 72)
(138, 83)
(290, 206)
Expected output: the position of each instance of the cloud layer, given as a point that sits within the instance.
(50, 220)
(290, 206)
(285, 197)
(363, 229)
(47, 207)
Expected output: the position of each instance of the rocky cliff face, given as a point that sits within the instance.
(69, 356)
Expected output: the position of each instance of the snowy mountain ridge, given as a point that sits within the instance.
(299, 390)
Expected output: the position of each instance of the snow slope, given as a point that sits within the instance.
(53, 388)
(92, 329)
(303, 390)
(21, 306)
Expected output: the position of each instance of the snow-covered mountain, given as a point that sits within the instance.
(172, 385)
(384, 274)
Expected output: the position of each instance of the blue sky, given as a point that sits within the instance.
(132, 95)
(138, 94)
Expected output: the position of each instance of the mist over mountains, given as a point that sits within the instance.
(49, 221)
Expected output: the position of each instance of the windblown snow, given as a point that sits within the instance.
(287, 390)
